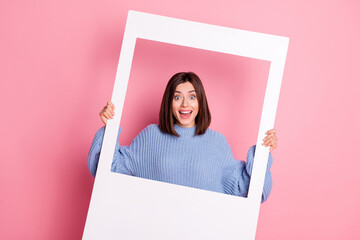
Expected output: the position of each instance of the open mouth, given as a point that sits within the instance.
(185, 114)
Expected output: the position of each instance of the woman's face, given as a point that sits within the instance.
(185, 106)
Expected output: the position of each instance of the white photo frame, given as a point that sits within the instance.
(126, 207)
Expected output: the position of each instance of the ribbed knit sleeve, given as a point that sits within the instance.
(236, 179)
(123, 160)
(94, 153)
(268, 179)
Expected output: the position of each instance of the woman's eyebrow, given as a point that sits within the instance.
(188, 91)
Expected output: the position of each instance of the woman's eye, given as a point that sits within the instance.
(177, 97)
(192, 97)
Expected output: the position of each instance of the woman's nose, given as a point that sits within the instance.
(184, 103)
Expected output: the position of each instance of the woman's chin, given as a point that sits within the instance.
(186, 124)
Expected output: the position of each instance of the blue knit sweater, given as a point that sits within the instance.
(203, 161)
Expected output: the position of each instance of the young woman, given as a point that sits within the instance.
(182, 149)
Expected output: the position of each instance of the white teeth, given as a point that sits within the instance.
(185, 112)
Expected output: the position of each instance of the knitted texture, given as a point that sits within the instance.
(204, 161)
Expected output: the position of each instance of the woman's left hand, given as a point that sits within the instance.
(270, 140)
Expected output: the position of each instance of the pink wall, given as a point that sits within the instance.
(58, 62)
(235, 88)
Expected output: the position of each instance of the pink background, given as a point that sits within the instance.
(58, 63)
(235, 88)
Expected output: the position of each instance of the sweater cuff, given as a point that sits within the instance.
(94, 153)
(250, 160)
(268, 179)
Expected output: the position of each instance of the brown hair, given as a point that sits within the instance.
(166, 118)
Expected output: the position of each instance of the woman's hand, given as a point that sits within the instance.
(270, 140)
(107, 112)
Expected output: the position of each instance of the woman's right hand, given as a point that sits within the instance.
(107, 112)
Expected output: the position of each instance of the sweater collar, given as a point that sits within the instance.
(183, 131)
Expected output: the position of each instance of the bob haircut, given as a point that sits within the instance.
(166, 117)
